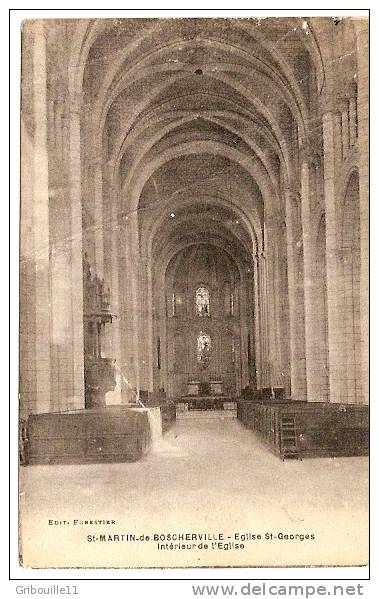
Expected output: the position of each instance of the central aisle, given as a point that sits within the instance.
(208, 473)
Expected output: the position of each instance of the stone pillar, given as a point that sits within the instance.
(41, 223)
(283, 310)
(298, 380)
(353, 120)
(61, 320)
(362, 32)
(132, 308)
(335, 343)
(160, 375)
(263, 326)
(271, 356)
(146, 324)
(77, 399)
(127, 313)
(344, 127)
(115, 396)
(27, 382)
(244, 331)
(337, 128)
(98, 214)
(273, 239)
(310, 313)
(257, 331)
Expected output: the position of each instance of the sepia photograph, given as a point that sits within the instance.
(194, 292)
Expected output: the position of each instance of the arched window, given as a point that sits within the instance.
(204, 347)
(202, 301)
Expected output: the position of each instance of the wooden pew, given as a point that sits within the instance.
(322, 429)
(110, 434)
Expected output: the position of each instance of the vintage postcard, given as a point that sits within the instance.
(194, 292)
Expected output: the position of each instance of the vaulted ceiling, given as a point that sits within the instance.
(199, 119)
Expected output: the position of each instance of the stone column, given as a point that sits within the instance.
(41, 223)
(115, 396)
(310, 311)
(145, 324)
(244, 331)
(269, 280)
(273, 246)
(133, 315)
(61, 315)
(275, 295)
(77, 400)
(337, 128)
(362, 32)
(257, 332)
(298, 381)
(335, 343)
(263, 326)
(344, 127)
(98, 214)
(27, 323)
(353, 120)
(127, 313)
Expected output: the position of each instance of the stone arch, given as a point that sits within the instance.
(250, 222)
(253, 167)
(176, 124)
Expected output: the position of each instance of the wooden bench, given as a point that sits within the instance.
(110, 434)
(322, 429)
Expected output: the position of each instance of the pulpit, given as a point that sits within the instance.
(99, 378)
(99, 371)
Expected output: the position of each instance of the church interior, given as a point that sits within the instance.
(194, 245)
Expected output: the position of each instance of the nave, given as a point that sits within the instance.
(194, 233)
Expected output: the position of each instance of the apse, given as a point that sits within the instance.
(205, 304)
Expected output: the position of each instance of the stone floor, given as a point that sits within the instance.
(208, 474)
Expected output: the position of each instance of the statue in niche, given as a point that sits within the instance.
(203, 349)
(202, 301)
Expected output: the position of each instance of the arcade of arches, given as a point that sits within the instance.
(214, 172)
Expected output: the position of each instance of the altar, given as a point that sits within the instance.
(205, 388)
(205, 395)
(205, 402)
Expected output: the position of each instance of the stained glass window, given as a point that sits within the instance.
(204, 347)
(202, 301)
